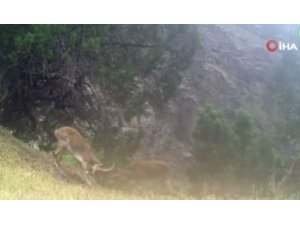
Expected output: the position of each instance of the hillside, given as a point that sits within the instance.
(29, 174)
(209, 100)
(231, 70)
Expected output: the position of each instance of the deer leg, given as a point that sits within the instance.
(88, 178)
(84, 165)
(60, 150)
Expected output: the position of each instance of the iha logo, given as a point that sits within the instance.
(273, 46)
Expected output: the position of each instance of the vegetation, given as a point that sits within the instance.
(97, 78)
(88, 76)
(231, 152)
(29, 174)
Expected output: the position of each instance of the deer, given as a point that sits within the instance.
(289, 183)
(70, 139)
(143, 170)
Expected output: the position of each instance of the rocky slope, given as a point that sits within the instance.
(231, 70)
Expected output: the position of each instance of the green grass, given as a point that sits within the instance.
(68, 159)
(30, 174)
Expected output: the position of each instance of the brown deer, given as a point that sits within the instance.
(69, 139)
(143, 170)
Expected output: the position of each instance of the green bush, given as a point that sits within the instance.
(54, 75)
(234, 149)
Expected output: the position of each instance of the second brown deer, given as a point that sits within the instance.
(145, 170)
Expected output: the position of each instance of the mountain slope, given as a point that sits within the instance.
(231, 70)
(29, 174)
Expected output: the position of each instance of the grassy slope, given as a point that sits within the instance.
(29, 174)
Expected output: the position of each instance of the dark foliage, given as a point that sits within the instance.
(87, 76)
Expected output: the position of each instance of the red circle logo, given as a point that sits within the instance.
(272, 45)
